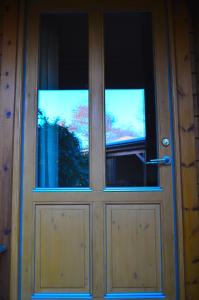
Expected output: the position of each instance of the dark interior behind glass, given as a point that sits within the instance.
(129, 85)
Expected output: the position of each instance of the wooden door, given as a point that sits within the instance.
(107, 236)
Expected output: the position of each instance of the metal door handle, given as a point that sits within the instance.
(165, 160)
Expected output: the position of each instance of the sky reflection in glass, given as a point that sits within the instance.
(125, 113)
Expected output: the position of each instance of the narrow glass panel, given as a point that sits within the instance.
(129, 100)
(63, 98)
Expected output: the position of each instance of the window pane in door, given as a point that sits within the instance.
(130, 110)
(63, 102)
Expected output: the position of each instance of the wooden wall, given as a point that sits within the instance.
(194, 53)
(1, 33)
(186, 48)
(4, 257)
(188, 133)
(8, 48)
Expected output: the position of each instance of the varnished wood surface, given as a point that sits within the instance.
(63, 260)
(192, 286)
(178, 191)
(16, 180)
(7, 99)
(195, 76)
(194, 56)
(129, 229)
(98, 200)
(96, 83)
(187, 149)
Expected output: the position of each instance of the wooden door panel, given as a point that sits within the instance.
(62, 248)
(133, 244)
(97, 241)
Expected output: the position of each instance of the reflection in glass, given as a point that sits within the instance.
(129, 100)
(63, 130)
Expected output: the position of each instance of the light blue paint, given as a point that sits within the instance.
(57, 190)
(147, 295)
(176, 258)
(137, 295)
(38, 296)
(135, 189)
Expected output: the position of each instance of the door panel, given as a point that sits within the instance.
(104, 237)
(63, 257)
(133, 248)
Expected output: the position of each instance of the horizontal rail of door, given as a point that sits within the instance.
(97, 196)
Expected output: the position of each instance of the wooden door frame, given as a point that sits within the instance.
(17, 152)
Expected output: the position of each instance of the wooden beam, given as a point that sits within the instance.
(7, 98)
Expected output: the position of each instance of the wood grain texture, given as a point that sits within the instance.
(96, 82)
(98, 244)
(191, 210)
(175, 109)
(99, 198)
(62, 259)
(194, 52)
(16, 180)
(187, 151)
(7, 101)
(133, 248)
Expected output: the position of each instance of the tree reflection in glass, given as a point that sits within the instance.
(63, 156)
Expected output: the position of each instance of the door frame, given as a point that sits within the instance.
(18, 156)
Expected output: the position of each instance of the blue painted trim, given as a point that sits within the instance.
(57, 190)
(3, 248)
(134, 189)
(174, 196)
(137, 295)
(47, 296)
(147, 295)
(111, 189)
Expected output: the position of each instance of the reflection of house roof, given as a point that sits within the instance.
(126, 147)
(124, 138)
(125, 142)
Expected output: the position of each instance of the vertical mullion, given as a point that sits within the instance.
(96, 66)
(97, 156)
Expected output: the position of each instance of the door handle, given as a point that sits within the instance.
(165, 160)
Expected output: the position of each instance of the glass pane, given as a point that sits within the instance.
(63, 98)
(129, 100)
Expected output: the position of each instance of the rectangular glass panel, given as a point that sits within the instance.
(63, 101)
(129, 100)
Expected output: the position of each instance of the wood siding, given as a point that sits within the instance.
(194, 53)
(188, 149)
(7, 102)
(1, 33)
